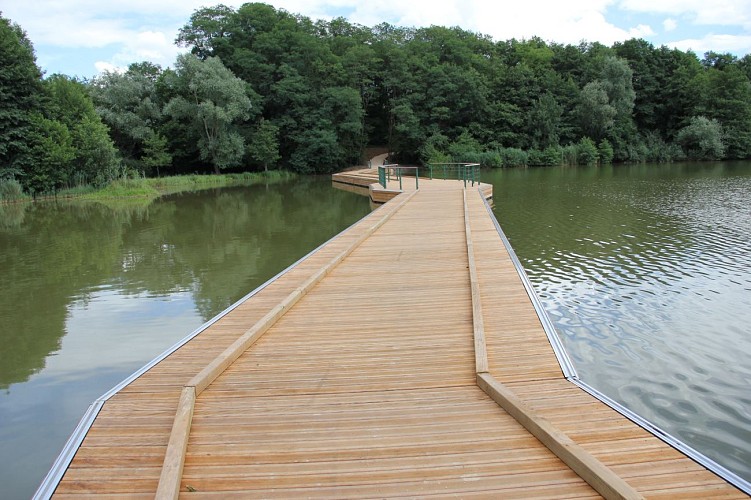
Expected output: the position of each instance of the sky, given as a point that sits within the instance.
(85, 37)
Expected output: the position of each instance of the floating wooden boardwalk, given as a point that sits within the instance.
(403, 358)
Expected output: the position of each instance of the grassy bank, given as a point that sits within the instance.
(153, 188)
(148, 188)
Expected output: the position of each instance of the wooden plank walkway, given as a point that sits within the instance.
(363, 376)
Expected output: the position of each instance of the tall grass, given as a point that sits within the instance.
(11, 190)
(154, 187)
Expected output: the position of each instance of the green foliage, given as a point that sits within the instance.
(211, 101)
(605, 151)
(155, 153)
(595, 113)
(434, 149)
(129, 105)
(513, 157)
(11, 190)
(50, 155)
(491, 159)
(20, 89)
(549, 157)
(586, 152)
(465, 149)
(701, 139)
(725, 95)
(322, 90)
(545, 121)
(265, 145)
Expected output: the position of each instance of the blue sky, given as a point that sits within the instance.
(85, 37)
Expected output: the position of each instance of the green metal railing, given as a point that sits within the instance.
(386, 172)
(466, 172)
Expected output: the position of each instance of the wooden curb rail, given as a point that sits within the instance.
(174, 460)
(606, 482)
(481, 351)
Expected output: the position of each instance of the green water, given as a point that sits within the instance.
(90, 293)
(646, 273)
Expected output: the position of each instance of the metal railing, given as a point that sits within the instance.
(466, 172)
(386, 172)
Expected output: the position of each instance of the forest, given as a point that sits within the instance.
(261, 88)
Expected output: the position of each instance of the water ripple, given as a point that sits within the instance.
(646, 275)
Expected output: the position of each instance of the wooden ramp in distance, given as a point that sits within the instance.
(366, 386)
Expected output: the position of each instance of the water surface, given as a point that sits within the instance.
(90, 293)
(646, 273)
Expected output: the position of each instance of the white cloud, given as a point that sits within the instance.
(565, 22)
(102, 66)
(738, 44)
(669, 24)
(716, 12)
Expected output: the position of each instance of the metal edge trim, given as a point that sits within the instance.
(60, 466)
(567, 367)
(52, 479)
(671, 440)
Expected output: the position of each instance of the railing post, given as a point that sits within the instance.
(417, 178)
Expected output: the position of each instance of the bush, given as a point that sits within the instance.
(11, 190)
(605, 151)
(467, 157)
(570, 155)
(550, 157)
(513, 157)
(701, 139)
(491, 159)
(586, 152)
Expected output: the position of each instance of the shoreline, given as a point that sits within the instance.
(155, 187)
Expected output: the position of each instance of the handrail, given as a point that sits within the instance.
(384, 174)
(467, 172)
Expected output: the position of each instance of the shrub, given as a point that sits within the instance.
(586, 152)
(701, 139)
(605, 151)
(491, 159)
(467, 157)
(551, 156)
(10, 190)
(513, 157)
(570, 155)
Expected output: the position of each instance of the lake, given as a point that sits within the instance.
(645, 271)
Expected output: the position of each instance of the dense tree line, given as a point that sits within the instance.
(264, 88)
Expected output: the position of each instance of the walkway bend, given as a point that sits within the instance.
(402, 358)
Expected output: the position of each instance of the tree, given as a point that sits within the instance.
(725, 95)
(596, 115)
(265, 145)
(211, 101)
(128, 104)
(96, 160)
(20, 88)
(545, 121)
(206, 27)
(155, 153)
(50, 155)
(702, 139)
